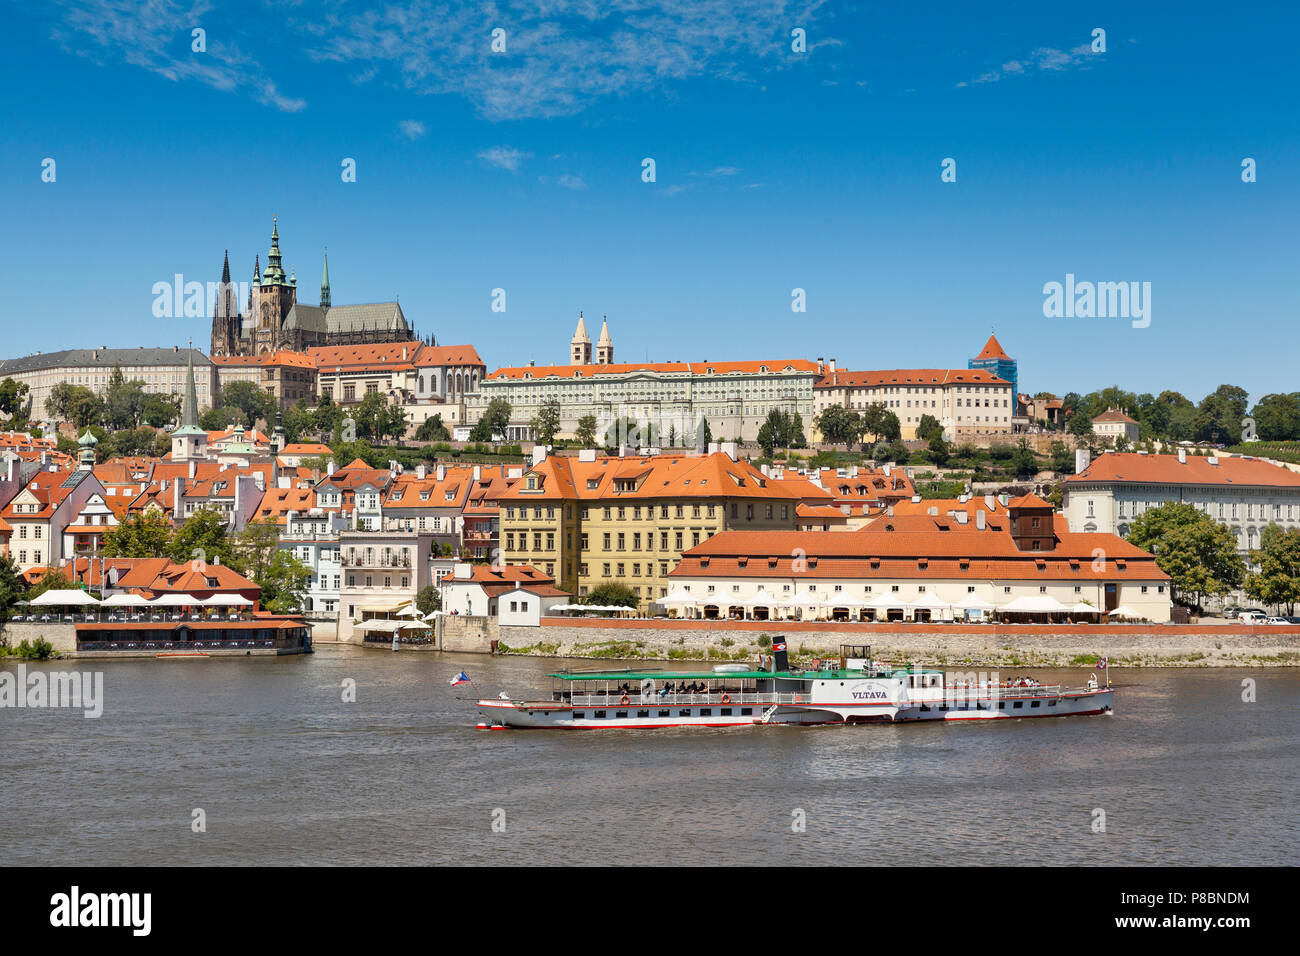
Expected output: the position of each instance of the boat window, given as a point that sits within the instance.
(578, 715)
(643, 713)
(1018, 704)
(663, 713)
(747, 712)
(1051, 703)
(1002, 705)
(599, 713)
(1035, 703)
(683, 713)
(706, 711)
(725, 712)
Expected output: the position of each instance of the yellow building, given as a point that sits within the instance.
(595, 520)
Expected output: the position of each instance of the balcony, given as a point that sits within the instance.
(376, 561)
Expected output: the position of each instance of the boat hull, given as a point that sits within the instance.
(522, 714)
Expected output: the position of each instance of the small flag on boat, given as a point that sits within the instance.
(1101, 664)
(778, 646)
(461, 678)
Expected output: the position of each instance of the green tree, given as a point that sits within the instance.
(939, 451)
(1277, 417)
(284, 582)
(838, 425)
(253, 401)
(623, 431)
(928, 428)
(704, 433)
(160, 411)
(74, 403)
(13, 397)
(144, 534)
(547, 421)
(52, 579)
(220, 418)
(125, 402)
(432, 429)
(428, 600)
(12, 586)
(1023, 459)
(880, 423)
(204, 537)
(1062, 458)
(586, 431)
(494, 421)
(613, 593)
(1199, 554)
(1218, 417)
(255, 548)
(1277, 582)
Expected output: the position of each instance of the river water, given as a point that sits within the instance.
(286, 772)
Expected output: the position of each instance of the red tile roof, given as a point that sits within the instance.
(692, 368)
(1166, 470)
(914, 376)
(993, 350)
(447, 355)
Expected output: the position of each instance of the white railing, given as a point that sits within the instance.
(676, 700)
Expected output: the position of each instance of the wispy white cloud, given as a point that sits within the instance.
(569, 181)
(1045, 59)
(560, 54)
(156, 36)
(411, 129)
(503, 157)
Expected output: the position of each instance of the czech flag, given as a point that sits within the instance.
(461, 678)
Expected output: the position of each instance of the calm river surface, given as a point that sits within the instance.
(288, 773)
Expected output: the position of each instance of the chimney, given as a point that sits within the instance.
(420, 471)
(478, 472)
(440, 472)
(821, 365)
(1005, 499)
(1082, 458)
(979, 519)
(329, 468)
(780, 659)
(933, 510)
(989, 503)
(961, 516)
(1182, 456)
(586, 454)
(890, 511)
(178, 492)
(885, 469)
(194, 468)
(831, 365)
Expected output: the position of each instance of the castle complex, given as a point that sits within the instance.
(276, 320)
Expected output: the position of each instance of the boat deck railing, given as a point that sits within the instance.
(1002, 691)
(674, 700)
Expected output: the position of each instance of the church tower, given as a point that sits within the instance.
(276, 295)
(325, 284)
(225, 315)
(605, 345)
(189, 440)
(580, 346)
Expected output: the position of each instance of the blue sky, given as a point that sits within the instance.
(775, 170)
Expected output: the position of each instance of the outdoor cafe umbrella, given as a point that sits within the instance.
(64, 597)
(1124, 611)
(175, 600)
(124, 600)
(225, 600)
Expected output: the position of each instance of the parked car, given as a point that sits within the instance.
(1252, 617)
(1276, 620)
(1231, 611)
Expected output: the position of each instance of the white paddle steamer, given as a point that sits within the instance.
(852, 690)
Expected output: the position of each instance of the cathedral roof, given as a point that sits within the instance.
(374, 317)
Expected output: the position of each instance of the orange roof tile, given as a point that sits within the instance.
(993, 350)
(914, 376)
(1130, 467)
(680, 368)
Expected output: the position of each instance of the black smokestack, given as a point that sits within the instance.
(781, 659)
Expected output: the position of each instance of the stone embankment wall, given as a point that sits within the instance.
(62, 637)
(1005, 645)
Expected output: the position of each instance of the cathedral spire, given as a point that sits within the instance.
(325, 284)
(225, 269)
(274, 274)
